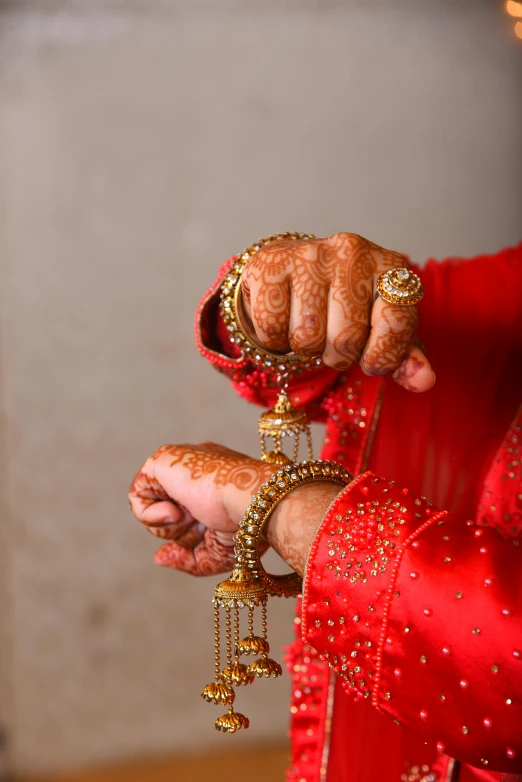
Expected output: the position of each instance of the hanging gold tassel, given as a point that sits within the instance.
(249, 587)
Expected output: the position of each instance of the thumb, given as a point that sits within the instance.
(415, 373)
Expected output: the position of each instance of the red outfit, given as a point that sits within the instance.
(414, 603)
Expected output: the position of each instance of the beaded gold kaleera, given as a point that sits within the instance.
(249, 585)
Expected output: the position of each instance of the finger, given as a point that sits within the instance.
(266, 288)
(308, 310)
(269, 308)
(145, 490)
(177, 557)
(225, 538)
(349, 303)
(154, 515)
(209, 557)
(415, 373)
(391, 336)
(149, 501)
(151, 504)
(162, 518)
(171, 522)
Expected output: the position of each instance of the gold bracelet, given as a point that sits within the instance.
(249, 586)
(230, 311)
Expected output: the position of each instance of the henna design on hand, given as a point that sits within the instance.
(310, 279)
(353, 264)
(147, 488)
(186, 531)
(227, 466)
(390, 340)
(209, 557)
(195, 548)
(316, 297)
(265, 279)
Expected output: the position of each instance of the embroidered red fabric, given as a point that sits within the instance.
(458, 445)
(417, 612)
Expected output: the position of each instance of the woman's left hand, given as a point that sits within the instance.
(194, 496)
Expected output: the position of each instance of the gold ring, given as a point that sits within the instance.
(400, 286)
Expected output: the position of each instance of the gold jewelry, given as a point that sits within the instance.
(400, 286)
(283, 420)
(249, 586)
(231, 311)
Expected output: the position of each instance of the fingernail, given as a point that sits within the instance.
(161, 523)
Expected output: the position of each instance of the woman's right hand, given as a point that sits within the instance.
(318, 297)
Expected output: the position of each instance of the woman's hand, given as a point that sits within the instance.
(319, 298)
(195, 496)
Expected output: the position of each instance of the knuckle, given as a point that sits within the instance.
(305, 347)
(271, 328)
(394, 327)
(340, 359)
(167, 448)
(392, 259)
(348, 241)
(279, 252)
(272, 339)
(376, 363)
(340, 364)
(309, 334)
(375, 370)
(348, 344)
(344, 237)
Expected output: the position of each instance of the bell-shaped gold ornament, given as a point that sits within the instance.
(265, 667)
(252, 645)
(218, 692)
(283, 420)
(232, 722)
(238, 674)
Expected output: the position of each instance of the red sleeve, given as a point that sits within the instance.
(420, 612)
(253, 383)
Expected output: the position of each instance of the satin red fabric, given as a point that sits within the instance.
(458, 445)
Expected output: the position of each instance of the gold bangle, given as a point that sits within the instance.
(230, 310)
(249, 586)
(249, 576)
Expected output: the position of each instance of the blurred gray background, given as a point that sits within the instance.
(142, 143)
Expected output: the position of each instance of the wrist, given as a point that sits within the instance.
(238, 494)
(294, 522)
